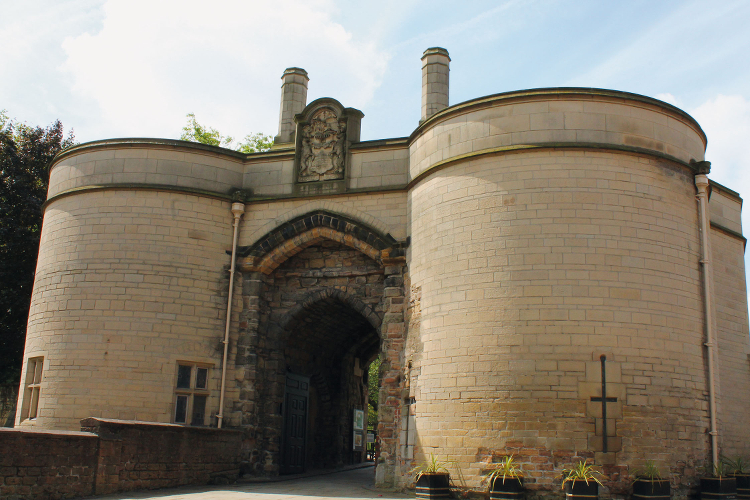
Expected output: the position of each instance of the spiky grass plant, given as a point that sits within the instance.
(505, 468)
(581, 471)
(431, 466)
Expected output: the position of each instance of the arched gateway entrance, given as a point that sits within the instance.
(323, 296)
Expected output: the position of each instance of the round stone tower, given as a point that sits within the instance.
(555, 237)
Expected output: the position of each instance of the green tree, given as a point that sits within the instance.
(25, 153)
(373, 392)
(195, 132)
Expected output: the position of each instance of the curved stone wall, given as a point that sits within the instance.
(128, 282)
(529, 264)
(158, 162)
(572, 117)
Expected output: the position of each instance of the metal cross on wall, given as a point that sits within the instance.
(604, 400)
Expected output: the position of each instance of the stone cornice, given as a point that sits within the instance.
(193, 147)
(729, 232)
(725, 190)
(248, 199)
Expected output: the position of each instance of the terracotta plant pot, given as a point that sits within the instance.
(715, 488)
(434, 485)
(647, 489)
(580, 490)
(510, 489)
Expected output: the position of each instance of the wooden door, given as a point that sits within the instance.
(295, 424)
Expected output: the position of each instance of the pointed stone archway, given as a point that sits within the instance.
(322, 295)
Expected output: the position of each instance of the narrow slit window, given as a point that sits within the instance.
(33, 382)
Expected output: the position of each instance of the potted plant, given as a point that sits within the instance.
(718, 484)
(432, 478)
(740, 470)
(649, 485)
(505, 480)
(581, 482)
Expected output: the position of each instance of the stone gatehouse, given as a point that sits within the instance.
(498, 261)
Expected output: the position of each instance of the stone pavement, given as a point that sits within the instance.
(352, 484)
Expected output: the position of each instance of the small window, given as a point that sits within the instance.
(33, 383)
(183, 376)
(191, 394)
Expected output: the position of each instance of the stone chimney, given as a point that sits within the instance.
(293, 101)
(435, 68)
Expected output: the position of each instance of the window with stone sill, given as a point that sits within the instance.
(191, 393)
(33, 383)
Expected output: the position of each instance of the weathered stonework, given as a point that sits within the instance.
(326, 130)
(491, 259)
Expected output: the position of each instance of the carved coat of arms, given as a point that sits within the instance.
(323, 147)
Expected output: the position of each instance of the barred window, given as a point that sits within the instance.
(191, 393)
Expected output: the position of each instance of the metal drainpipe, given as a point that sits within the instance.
(701, 182)
(237, 210)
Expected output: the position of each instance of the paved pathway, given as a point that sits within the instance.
(354, 484)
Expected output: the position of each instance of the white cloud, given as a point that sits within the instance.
(726, 121)
(153, 62)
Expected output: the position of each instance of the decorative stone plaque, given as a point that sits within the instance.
(325, 129)
(323, 152)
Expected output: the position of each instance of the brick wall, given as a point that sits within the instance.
(47, 464)
(112, 456)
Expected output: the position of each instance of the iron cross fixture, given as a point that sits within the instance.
(604, 400)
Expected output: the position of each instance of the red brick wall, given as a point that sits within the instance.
(112, 456)
(47, 464)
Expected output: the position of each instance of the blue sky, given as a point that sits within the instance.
(135, 68)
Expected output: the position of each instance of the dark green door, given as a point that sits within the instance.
(295, 424)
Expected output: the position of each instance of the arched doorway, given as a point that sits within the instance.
(327, 347)
(322, 296)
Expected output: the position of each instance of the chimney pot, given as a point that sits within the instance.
(293, 101)
(435, 69)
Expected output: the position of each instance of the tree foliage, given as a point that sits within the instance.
(195, 132)
(25, 153)
(373, 392)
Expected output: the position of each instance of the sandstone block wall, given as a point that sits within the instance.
(551, 117)
(197, 167)
(733, 342)
(530, 266)
(385, 212)
(381, 167)
(128, 283)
